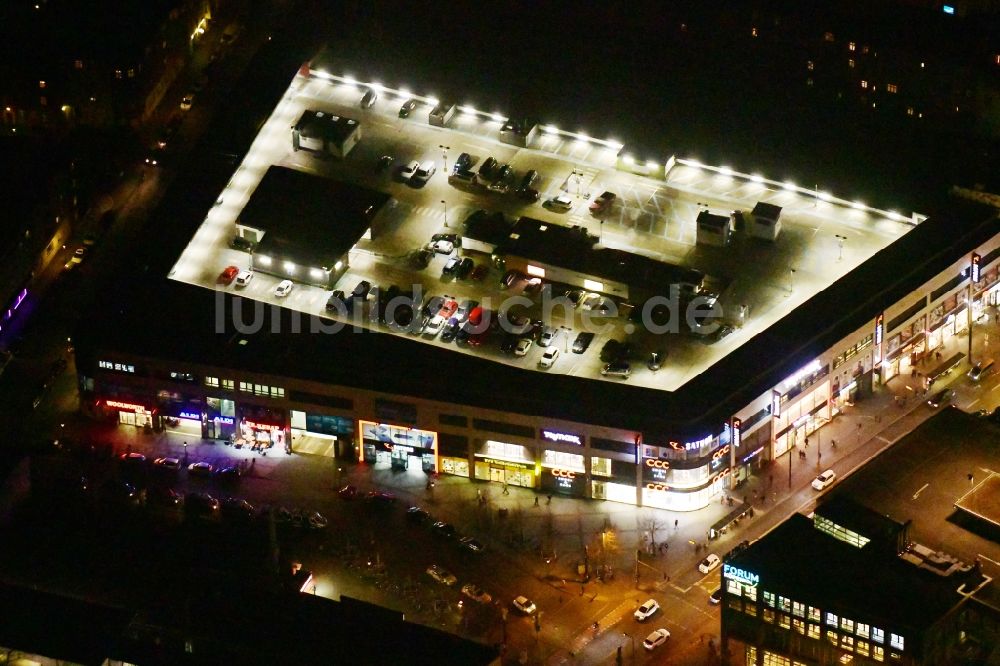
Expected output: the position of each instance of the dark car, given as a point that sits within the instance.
(380, 498)
(508, 343)
(617, 369)
(582, 342)
(407, 108)
(240, 243)
(417, 515)
(164, 497)
(528, 194)
(362, 289)
(480, 272)
(384, 163)
(530, 178)
(471, 545)
(463, 162)
(348, 492)
(509, 278)
(487, 168)
(422, 258)
(464, 267)
(337, 301)
(201, 505)
(613, 350)
(238, 511)
(450, 330)
(942, 397)
(444, 530)
(229, 474)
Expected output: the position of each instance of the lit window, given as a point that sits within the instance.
(750, 592)
(878, 653)
(260, 389)
(809, 81)
(862, 630)
(850, 63)
(735, 603)
(798, 609)
(212, 381)
(814, 614)
(784, 621)
(78, 64)
(131, 73)
(996, 58)
(769, 599)
(847, 625)
(891, 87)
(810, 65)
(896, 641)
(831, 619)
(118, 73)
(750, 609)
(602, 467)
(41, 84)
(753, 32)
(864, 49)
(862, 648)
(228, 384)
(851, 46)
(956, 109)
(768, 616)
(831, 637)
(536, 271)
(828, 37)
(909, 110)
(246, 387)
(277, 392)
(864, 84)
(847, 642)
(813, 631)
(593, 285)
(784, 604)
(878, 635)
(799, 626)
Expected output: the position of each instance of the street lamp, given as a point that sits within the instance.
(445, 204)
(632, 638)
(840, 246)
(444, 156)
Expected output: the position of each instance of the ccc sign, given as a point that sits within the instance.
(657, 464)
(563, 474)
(658, 486)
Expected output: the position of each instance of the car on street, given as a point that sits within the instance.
(656, 639)
(456, 239)
(380, 498)
(228, 274)
(132, 457)
(230, 474)
(283, 289)
(451, 265)
(369, 99)
(241, 243)
(443, 529)
(201, 505)
(597, 303)
(347, 492)
(187, 102)
(243, 278)
(549, 358)
(942, 397)
(560, 203)
(417, 515)
(709, 564)
(200, 468)
(509, 278)
(824, 480)
(450, 330)
(407, 108)
(509, 343)
(548, 336)
(602, 202)
(167, 463)
(441, 575)
(464, 162)
(716, 597)
(424, 172)
(646, 610)
(525, 605)
(523, 347)
(384, 163)
(470, 544)
(981, 369)
(476, 593)
(441, 246)
(448, 308)
(582, 341)
(165, 497)
(406, 172)
(721, 332)
(237, 510)
(465, 309)
(316, 520)
(617, 369)
(337, 301)
(577, 296)
(362, 289)
(487, 168)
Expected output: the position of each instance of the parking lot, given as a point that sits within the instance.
(756, 282)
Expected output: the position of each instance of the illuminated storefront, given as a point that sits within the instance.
(563, 473)
(800, 405)
(503, 462)
(395, 446)
(131, 413)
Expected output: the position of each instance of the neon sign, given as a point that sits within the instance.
(125, 405)
(563, 474)
(659, 487)
(554, 436)
(227, 420)
(721, 475)
(659, 464)
(776, 404)
(737, 432)
(189, 415)
(975, 268)
(877, 353)
(261, 426)
(740, 575)
(753, 453)
(721, 452)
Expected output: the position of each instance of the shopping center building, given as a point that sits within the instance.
(234, 367)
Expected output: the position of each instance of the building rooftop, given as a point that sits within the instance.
(983, 501)
(322, 125)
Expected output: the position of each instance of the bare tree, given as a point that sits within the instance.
(649, 524)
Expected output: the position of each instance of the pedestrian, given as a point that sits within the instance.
(548, 498)
(675, 523)
(833, 443)
(536, 500)
(807, 442)
(506, 490)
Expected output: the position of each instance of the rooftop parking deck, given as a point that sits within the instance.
(822, 237)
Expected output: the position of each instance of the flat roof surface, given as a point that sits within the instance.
(983, 501)
(317, 124)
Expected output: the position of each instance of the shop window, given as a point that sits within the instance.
(799, 626)
(896, 641)
(784, 604)
(847, 643)
(813, 631)
(862, 648)
(750, 592)
(212, 381)
(784, 621)
(601, 467)
(831, 619)
(454, 420)
(734, 587)
(769, 599)
(772, 659)
(861, 630)
(228, 384)
(798, 609)
(750, 609)
(878, 654)
(847, 625)
(563, 460)
(878, 635)
(246, 387)
(832, 638)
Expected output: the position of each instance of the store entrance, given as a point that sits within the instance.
(140, 419)
(497, 474)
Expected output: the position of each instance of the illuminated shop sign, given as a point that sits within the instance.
(740, 575)
(976, 273)
(737, 432)
(226, 420)
(659, 487)
(125, 405)
(261, 426)
(564, 473)
(720, 476)
(507, 463)
(189, 415)
(775, 404)
(693, 445)
(721, 452)
(657, 464)
(554, 436)
(753, 453)
(877, 352)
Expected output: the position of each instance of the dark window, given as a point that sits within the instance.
(989, 258)
(453, 420)
(947, 286)
(755, 419)
(317, 399)
(504, 428)
(390, 411)
(612, 445)
(910, 311)
(456, 446)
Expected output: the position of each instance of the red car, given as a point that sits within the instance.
(448, 309)
(228, 275)
(348, 492)
(480, 272)
(602, 202)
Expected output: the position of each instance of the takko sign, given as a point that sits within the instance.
(569, 438)
(125, 405)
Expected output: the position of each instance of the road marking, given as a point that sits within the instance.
(983, 557)
(973, 402)
(917, 494)
(995, 388)
(884, 439)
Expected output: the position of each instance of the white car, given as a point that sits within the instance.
(646, 610)
(424, 171)
(709, 564)
(548, 336)
(168, 463)
(441, 575)
(525, 605)
(560, 202)
(441, 246)
(549, 358)
(825, 479)
(656, 639)
(434, 326)
(243, 278)
(476, 593)
(284, 288)
(406, 173)
(523, 346)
